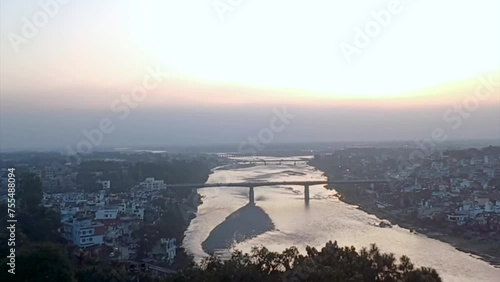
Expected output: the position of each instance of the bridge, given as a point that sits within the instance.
(234, 156)
(252, 185)
(265, 162)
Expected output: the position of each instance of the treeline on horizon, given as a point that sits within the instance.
(124, 175)
(123, 170)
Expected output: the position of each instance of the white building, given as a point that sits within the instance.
(137, 211)
(459, 219)
(106, 184)
(170, 248)
(122, 207)
(49, 173)
(496, 172)
(37, 172)
(107, 213)
(83, 232)
(152, 184)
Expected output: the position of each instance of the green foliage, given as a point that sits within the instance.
(171, 223)
(29, 192)
(332, 263)
(101, 273)
(175, 171)
(114, 272)
(172, 171)
(147, 235)
(40, 224)
(34, 222)
(98, 165)
(87, 182)
(39, 262)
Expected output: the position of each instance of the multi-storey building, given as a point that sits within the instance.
(107, 213)
(106, 184)
(83, 232)
(49, 172)
(37, 172)
(152, 184)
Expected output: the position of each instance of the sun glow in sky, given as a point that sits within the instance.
(424, 53)
(296, 44)
(265, 44)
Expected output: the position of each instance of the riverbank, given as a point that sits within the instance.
(188, 211)
(184, 213)
(488, 251)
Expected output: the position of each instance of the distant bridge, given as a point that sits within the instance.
(229, 155)
(265, 162)
(234, 156)
(252, 185)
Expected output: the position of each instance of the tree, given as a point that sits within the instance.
(99, 273)
(39, 262)
(30, 191)
(35, 223)
(331, 263)
(40, 224)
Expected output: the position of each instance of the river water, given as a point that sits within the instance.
(325, 218)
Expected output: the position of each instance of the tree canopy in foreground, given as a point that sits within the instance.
(331, 263)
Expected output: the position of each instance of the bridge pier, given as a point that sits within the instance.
(306, 193)
(251, 195)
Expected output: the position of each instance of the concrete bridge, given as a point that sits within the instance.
(228, 155)
(252, 185)
(265, 162)
(234, 156)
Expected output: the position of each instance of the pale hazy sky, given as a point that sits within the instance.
(227, 76)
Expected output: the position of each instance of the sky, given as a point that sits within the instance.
(180, 72)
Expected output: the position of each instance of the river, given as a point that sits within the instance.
(325, 218)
